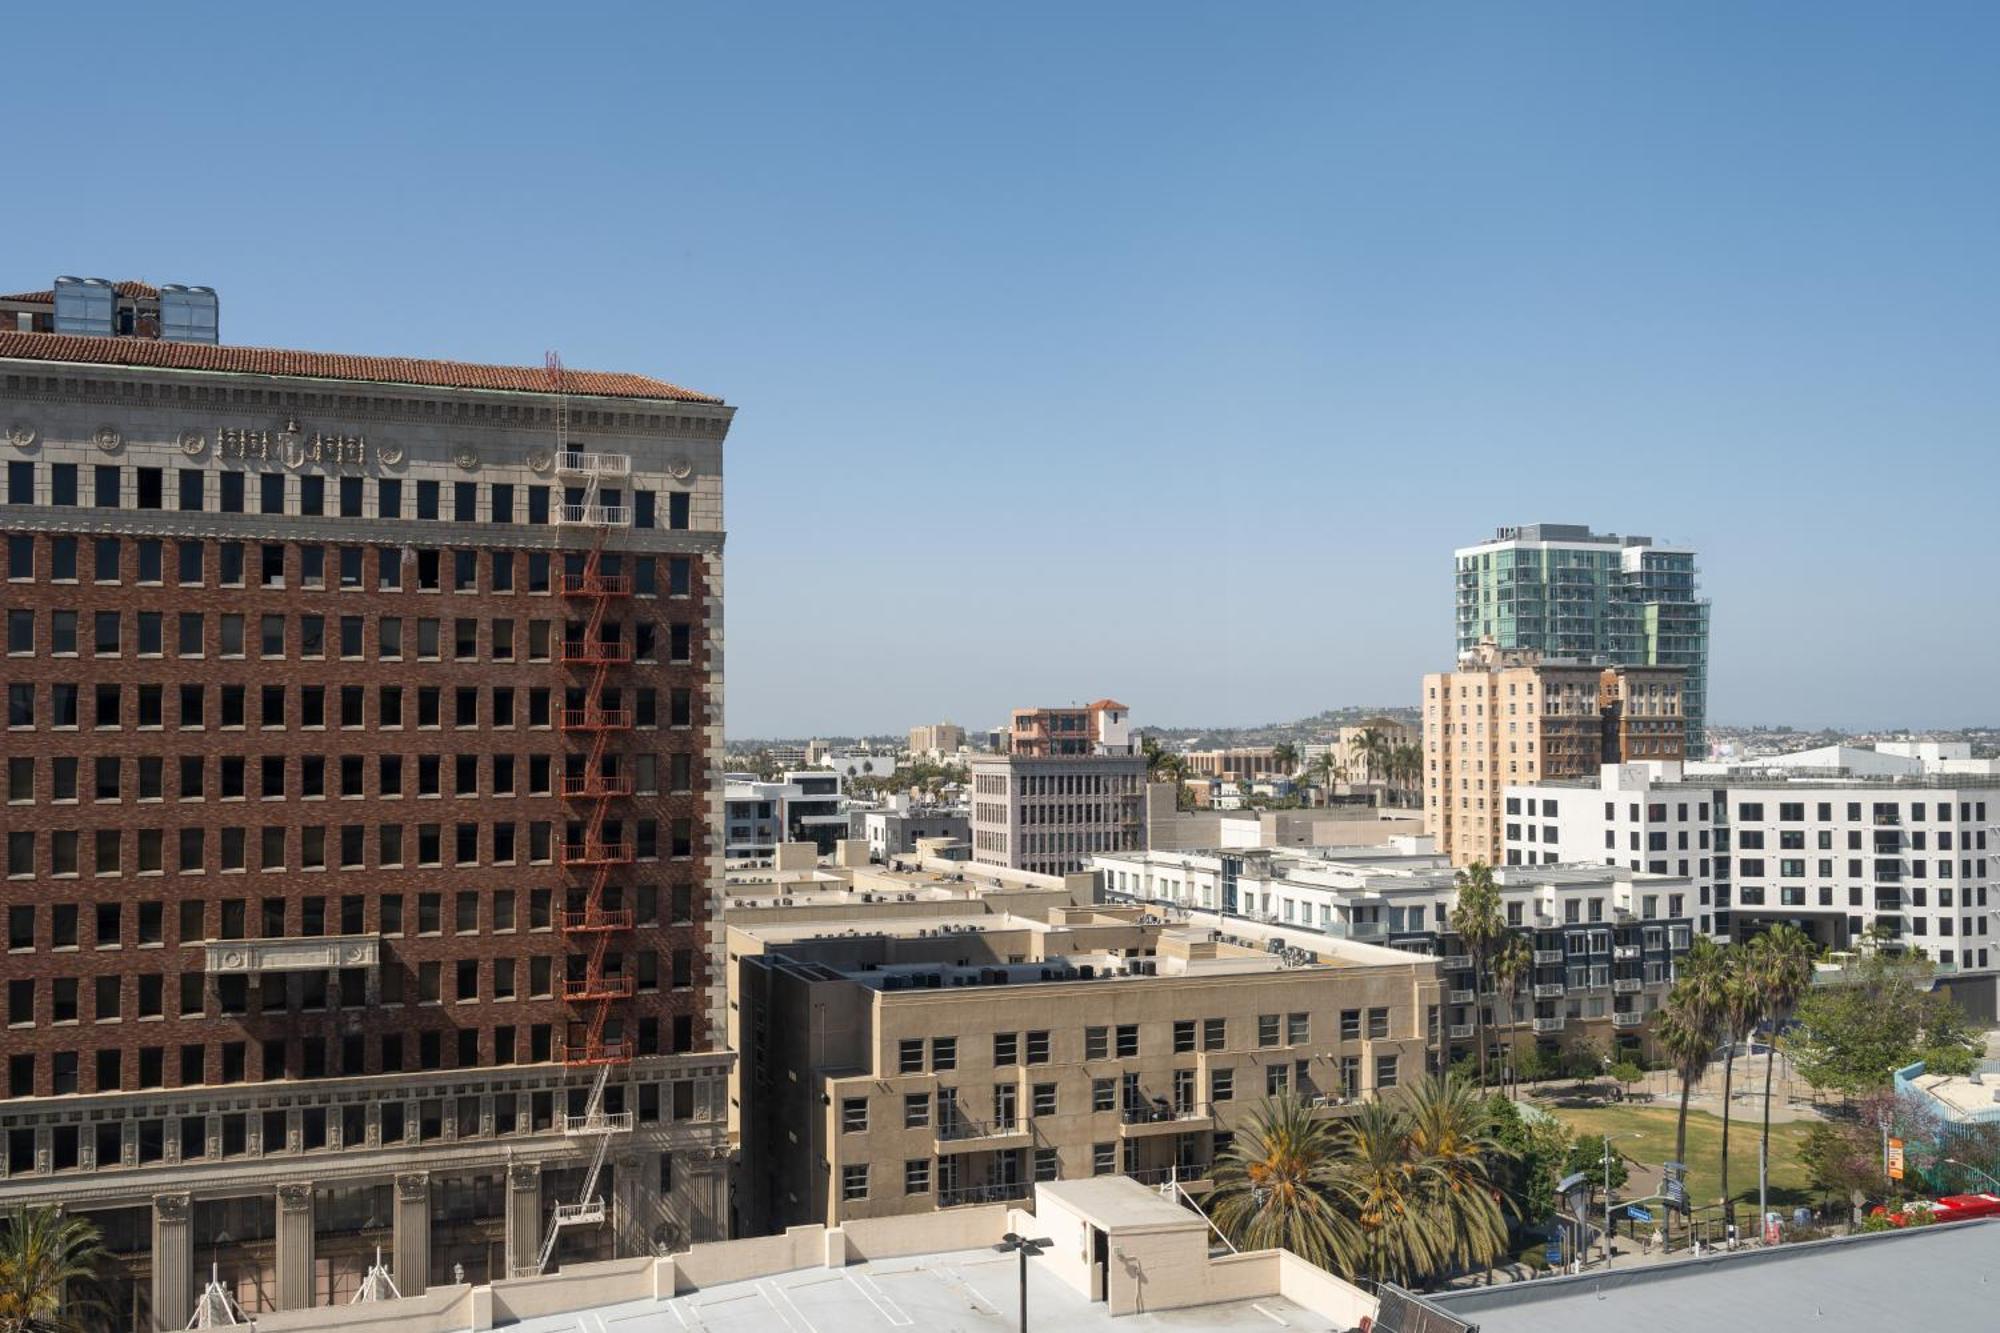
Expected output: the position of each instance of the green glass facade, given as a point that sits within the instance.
(1568, 592)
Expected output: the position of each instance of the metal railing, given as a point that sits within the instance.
(1161, 1113)
(964, 1194)
(582, 463)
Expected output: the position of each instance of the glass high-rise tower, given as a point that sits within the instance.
(1566, 591)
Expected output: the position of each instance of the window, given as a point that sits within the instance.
(854, 1181)
(1128, 1040)
(1267, 1029)
(1385, 1071)
(1006, 1048)
(1221, 1085)
(1043, 1099)
(1183, 1036)
(1096, 1043)
(1298, 1029)
(1104, 1094)
(854, 1115)
(1378, 1023)
(1038, 1047)
(916, 1110)
(910, 1055)
(944, 1053)
(917, 1175)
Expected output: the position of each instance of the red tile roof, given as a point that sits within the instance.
(331, 366)
(1108, 703)
(136, 290)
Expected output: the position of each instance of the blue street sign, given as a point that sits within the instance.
(1554, 1253)
(1638, 1214)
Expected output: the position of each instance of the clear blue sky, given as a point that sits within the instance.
(1142, 350)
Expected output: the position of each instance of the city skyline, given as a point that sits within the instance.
(1432, 273)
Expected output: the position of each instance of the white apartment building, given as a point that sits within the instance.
(1606, 939)
(1837, 856)
(809, 805)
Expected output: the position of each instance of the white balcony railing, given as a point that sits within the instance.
(579, 463)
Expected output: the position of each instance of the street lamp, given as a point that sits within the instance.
(1607, 1189)
(1970, 1167)
(1013, 1243)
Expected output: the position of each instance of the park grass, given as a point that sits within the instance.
(1789, 1183)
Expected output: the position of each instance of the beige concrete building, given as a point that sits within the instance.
(1238, 764)
(1051, 815)
(1362, 768)
(937, 739)
(1505, 718)
(894, 1067)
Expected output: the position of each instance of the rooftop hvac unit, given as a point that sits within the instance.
(87, 306)
(189, 314)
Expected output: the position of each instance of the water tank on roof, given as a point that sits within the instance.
(87, 306)
(189, 314)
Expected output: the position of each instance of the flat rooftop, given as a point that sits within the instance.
(954, 1290)
(1934, 1277)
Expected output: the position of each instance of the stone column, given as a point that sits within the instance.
(173, 1260)
(632, 1204)
(701, 1175)
(295, 1246)
(524, 1214)
(413, 1233)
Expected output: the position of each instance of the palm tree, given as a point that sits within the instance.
(1286, 756)
(1737, 1002)
(1781, 968)
(49, 1266)
(1281, 1185)
(1155, 755)
(1371, 747)
(1688, 1023)
(1477, 921)
(1407, 762)
(1513, 957)
(1388, 1198)
(1454, 1148)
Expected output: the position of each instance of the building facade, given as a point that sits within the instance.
(905, 1069)
(1561, 590)
(361, 750)
(1507, 717)
(1103, 727)
(1051, 815)
(1905, 859)
(1605, 940)
(937, 740)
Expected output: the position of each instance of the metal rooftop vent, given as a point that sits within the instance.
(189, 314)
(86, 306)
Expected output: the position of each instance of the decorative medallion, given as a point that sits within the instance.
(235, 960)
(193, 442)
(108, 439)
(465, 456)
(680, 469)
(391, 454)
(21, 435)
(540, 460)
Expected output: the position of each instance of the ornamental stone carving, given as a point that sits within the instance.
(680, 469)
(295, 1197)
(172, 1209)
(390, 454)
(193, 443)
(108, 439)
(540, 460)
(21, 435)
(466, 457)
(524, 1175)
(413, 1186)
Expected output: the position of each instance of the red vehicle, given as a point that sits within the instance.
(1950, 1208)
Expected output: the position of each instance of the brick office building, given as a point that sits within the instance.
(362, 757)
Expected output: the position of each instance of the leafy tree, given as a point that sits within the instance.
(1627, 1073)
(1477, 921)
(1877, 1017)
(49, 1266)
(1841, 1157)
(1535, 1152)
(1587, 1154)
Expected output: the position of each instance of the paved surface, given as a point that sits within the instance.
(964, 1290)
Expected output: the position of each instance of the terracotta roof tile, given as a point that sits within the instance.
(136, 290)
(331, 366)
(33, 298)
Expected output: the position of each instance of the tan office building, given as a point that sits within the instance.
(1508, 717)
(907, 1068)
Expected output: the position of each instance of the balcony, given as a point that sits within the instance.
(583, 990)
(1548, 957)
(1460, 997)
(592, 1053)
(1626, 953)
(1888, 819)
(596, 585)
(596, 652)
(1627, 1020)
(604, 1122)
(598, 922)
(1548, 1025)
(593, 853)
(993, 1133)
(595, 719)
(579, 463)
(1456, 962)
(1159, 1117)
(1461, 1031)
(594, 516)
(1549, 991)
(590, 1210)
(1626, 986)
(959, 1195)
(314, 953)
(595, 786)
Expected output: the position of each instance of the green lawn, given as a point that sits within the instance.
(1788, 1185)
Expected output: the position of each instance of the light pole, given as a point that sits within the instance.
(1013, 1243)
(1970, 1167)
(1607, 1189)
